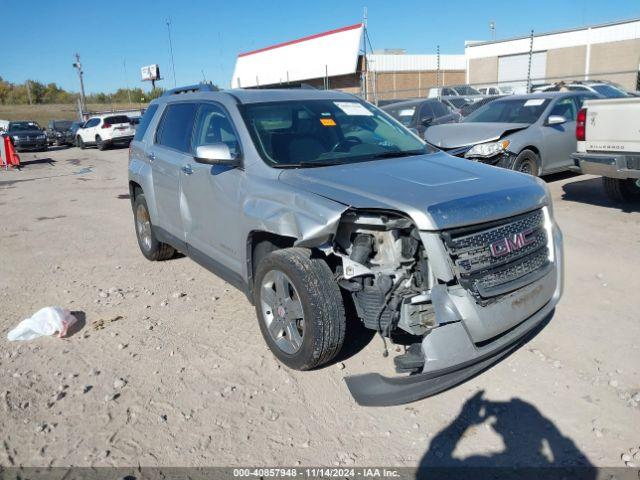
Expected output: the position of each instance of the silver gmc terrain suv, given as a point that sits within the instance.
(315, 203)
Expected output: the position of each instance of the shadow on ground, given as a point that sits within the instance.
(591, 191)
(81, 321)
(534, 448)
(37, 161)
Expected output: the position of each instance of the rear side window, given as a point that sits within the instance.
(117, 119)
(145, 121)
(176, 126)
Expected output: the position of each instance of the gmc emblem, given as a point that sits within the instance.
(513, 243)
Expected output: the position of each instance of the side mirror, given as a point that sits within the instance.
(556, 120)
(426, 121)
(216, 154)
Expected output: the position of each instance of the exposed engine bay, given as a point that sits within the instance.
(386, 270)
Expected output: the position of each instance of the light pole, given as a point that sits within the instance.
(492, 27)
(78, 66)
(173, 66)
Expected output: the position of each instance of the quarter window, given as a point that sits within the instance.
(144, 122)
(176, 126)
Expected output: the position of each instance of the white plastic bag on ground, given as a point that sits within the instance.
(45, 321)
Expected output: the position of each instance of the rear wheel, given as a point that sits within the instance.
(622, 190)
(100, 143)
(149, 245)
(528, 162)
(299, 308)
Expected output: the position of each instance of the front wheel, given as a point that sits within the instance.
(528, 162)
(80, 142)
(299, 308)
(622, 190)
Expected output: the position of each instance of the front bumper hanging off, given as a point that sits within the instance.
(375, 390)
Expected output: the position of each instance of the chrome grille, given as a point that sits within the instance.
(486, 275)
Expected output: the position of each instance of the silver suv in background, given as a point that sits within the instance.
(315, 203)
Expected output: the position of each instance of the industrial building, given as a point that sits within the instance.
(599, 52)
(335, 59)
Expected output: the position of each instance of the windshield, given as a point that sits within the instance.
(523, 110)
(23, 126)
(609, 91)
(62, 124)
(308, 133)
(403, 114)
(466, 90)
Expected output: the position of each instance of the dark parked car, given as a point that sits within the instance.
(455, 103)
(27, 135)
(469, 108)
(59, 132)
(419, 114)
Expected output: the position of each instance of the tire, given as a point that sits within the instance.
(621, 190)
(313, 293)
(80, 143)
(150, 247)
(528, 162)
(102, 145)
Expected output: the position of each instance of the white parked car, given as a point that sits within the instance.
(105, 131)
(496, 90)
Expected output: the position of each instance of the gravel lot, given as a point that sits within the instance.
(169, 367)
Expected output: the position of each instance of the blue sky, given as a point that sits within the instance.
(207, 35)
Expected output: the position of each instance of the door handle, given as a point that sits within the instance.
(186, 169)
(151, 156)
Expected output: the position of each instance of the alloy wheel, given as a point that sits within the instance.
(282, 311)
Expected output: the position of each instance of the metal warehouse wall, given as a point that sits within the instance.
(569, 63)
(598, 52)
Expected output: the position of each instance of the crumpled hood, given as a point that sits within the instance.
(463, 134)
(437, 191)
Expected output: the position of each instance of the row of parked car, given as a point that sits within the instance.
(532, 133)
(102, 131)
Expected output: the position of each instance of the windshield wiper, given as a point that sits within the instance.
(308, 164)
(408, 153)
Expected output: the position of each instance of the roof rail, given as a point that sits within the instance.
(200, 87)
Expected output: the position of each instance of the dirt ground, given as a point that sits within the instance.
(168, 366)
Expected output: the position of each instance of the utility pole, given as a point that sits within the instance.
(126, 81)
(28, 83)
(78, 66)
(529, 67)
(173, 65)
(438, 89)
(364, 58)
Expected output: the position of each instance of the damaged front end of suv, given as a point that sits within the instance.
(464, 297)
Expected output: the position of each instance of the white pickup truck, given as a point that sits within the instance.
(608, 135)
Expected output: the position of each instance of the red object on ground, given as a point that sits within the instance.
(12, 158)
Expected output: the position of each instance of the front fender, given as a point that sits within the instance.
(308, 218)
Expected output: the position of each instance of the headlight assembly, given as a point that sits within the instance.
(487, 149)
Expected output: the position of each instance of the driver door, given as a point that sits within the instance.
(211, 194)
(560, 139)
